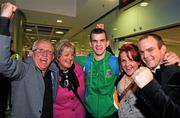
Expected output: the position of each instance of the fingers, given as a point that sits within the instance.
(8, 10)
(171, 58)
(142, 77)
(138, 71)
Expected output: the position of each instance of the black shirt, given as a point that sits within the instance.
(47, 111)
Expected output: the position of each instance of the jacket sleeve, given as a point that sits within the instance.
(167, 100)
(10, 68)
(4, 26)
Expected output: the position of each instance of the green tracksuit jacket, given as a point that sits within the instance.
(99, 86)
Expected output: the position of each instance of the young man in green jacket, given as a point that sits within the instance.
(101, 70)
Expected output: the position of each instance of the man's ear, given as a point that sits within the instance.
(108, 43)
(163, 49)
(90, 44)
(53, 57)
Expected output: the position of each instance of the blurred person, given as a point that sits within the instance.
(5, 90)
(101, 71)
(109, 49)
(5, 86)
(159, 91)
(34, 82)
(69, 102)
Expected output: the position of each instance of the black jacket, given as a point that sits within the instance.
(161, 96)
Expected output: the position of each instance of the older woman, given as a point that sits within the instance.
(70, 95)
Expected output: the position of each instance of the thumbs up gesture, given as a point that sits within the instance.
(8, 10)
(142, 76)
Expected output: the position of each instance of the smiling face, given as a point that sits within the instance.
(98, 44)
(129, 58)
(151, 54)
(66, 58)
(128, 64)
(43, 54)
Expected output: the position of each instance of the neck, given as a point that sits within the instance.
(99, 57)
(62, 68)
(129, 78)
(43, 73)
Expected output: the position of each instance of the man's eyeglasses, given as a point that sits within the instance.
(42, 51)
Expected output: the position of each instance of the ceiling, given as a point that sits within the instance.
(76, 15)
(41, 17)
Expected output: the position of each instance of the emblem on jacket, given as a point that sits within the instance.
(108, 73)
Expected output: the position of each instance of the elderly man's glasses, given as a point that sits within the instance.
(42, 51)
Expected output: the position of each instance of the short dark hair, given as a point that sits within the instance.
(98, 31)
(158, 38)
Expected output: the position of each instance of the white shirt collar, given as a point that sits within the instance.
(154, 70)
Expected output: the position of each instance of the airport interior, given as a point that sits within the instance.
(123, 20)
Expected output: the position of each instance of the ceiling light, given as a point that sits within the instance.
(114, 29)
(29, 30)
(59, 21)
(59, 32)
(53, 40)
(144, 4)
(32, 37)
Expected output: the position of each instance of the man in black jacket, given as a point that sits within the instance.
(161, 91)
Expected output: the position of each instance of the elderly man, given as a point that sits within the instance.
(34, 82)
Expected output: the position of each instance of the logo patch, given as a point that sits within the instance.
(108, 73)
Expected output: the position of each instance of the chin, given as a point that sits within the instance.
(129, 74)
(68, 66)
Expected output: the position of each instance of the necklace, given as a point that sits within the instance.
(127, 85)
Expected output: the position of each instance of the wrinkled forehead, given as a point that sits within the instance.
(45, 45)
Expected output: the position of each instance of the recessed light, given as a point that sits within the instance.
(53, 40)
(59, 21)
(144, 4)
(59, 32)
(114, 29)
(32, 37)
(29, 30)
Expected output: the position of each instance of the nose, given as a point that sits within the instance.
(71, 57)
(127, 63)
(145, 54)
(98, 43)
(45, 53)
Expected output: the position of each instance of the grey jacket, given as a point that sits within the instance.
(27, 85)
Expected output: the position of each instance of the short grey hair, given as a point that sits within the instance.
(61, 45)
(36, 43)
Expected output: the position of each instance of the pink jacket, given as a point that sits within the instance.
(66, 104)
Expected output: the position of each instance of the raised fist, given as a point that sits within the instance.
(7, 10)
(142, 76)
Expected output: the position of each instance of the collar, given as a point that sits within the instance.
(158, 67)
(154, 70)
